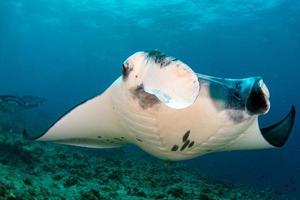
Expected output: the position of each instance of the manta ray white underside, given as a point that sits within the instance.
(162, 106)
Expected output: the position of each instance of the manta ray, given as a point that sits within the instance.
(161, 105)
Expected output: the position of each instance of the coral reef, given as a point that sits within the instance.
(31, 170)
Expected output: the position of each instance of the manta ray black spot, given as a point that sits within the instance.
(186, 136)
(138, 139)
(145, 99)
(191, 144)
(160, 58)
(185, 145)
(99, 136)
(174, 148)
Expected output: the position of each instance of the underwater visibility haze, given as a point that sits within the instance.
(57, 57)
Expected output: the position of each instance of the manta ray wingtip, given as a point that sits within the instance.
(278, 134)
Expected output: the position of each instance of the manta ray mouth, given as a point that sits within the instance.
(258, 101)
(278, 134)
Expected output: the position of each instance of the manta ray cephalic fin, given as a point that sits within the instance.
(278, 133)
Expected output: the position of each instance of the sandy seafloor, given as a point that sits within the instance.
(32, 170)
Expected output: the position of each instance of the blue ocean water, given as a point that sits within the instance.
(69, 50)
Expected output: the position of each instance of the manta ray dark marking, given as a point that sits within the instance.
(145, 99)
(175, 148)
(186, 143)
(160, 58)
(186, 136)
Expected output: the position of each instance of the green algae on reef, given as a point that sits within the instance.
(31, 170)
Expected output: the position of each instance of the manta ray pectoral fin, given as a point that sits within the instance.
(90, 124)
(278, 133)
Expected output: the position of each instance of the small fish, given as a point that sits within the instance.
(13, 104)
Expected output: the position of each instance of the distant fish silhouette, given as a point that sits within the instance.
(292, 181)
(13, 104)
(162, 106)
